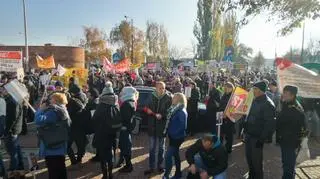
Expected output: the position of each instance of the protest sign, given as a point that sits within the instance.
(80, 75)
(18, 92)
(10, 61)
(306, 80)
(239, 104)
(187, 92)
(122, 66)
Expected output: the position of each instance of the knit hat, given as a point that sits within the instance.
(108, 89)
(291, 89)
(58, 83)
(75, 89)
(261, 85)
(128, 93)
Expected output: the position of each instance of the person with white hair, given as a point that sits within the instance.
(128, 105)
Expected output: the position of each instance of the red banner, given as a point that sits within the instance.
(122, 66)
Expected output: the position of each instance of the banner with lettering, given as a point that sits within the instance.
(79, 74)
(306, 80)
(10, 61)
(122, 66)
(239, 104)
(46, 63)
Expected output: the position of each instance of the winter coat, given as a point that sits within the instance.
(290, 125)
(127, 110)
(193, 101)
(213, 107)
(227, 124)
(76, 108)
(215, 159)
(102, 117)
(14, 118)
(51, 115)
(158, 105)
(178, 124)
(261, 119)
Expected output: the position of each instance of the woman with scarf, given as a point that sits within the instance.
(54, 113)
(128, 104)
(176, 127)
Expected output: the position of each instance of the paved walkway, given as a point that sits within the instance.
(237, 163)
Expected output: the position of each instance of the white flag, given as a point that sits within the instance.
(60, 70)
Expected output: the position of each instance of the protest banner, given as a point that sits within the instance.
(107, 65)
(18, 92)
(10, 61)
(46, 63)
(239, 104)
(122, 66)
(80, 75)
(60, 70)
(306, 80)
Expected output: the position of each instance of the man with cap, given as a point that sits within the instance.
(290, 128)
(258, 125)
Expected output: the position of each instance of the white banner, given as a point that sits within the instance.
(306, 80)
(10, 61)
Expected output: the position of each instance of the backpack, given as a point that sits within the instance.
(53, 135)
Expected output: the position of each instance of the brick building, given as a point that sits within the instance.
(66, 56)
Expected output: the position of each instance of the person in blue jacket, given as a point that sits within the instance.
(176, 127)
(50, 114)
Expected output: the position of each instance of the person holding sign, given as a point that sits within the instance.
(258, 125)
(228, 128)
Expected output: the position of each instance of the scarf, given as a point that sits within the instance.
(171, 111)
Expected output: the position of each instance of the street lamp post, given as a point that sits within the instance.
(25, 36)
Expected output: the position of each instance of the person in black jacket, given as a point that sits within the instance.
(157, 112)
(107, 125)
(13, 128)
(258, 125)
(193, 107)
(128, 103)
(291, 128)
(207, 158)
(228, 128)
(213, 107)
(76, 109)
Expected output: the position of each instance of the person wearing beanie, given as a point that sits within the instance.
(107, 124)
(128, 104)
(259, 124)
(290, 128)
(76, 109)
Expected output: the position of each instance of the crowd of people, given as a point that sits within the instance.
(106, 106)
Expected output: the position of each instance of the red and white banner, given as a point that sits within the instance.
(107, 65)
(122, 66)
(306, 80)
(10, 61)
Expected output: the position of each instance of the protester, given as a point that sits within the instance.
(212, 108)
(258, 125)
(76, 108)
(128, 104)
(228, 128)
(207, 158)
(193, 107)
(13, 128)
(291, 128)
(157, 111)
(107, 124)
(176, 128)
(177, 86)
(53, 144)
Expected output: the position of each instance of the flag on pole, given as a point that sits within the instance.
(306, 80)
(107, 65)
(60, 70)
(46, 63)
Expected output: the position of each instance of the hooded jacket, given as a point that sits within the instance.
(215, 159)
(158, 104)
(108, 105)
(51, 115)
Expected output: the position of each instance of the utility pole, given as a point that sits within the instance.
(132, 37)
(25, 36)
(302, 46)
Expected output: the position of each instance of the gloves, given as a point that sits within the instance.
(259, 144)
